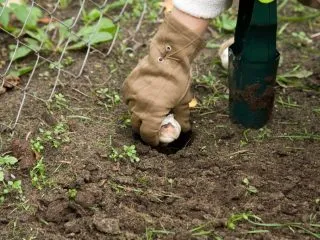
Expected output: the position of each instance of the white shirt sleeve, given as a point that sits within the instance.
(203, 8)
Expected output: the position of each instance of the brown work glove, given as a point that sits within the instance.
(311, 3)
(161, 81)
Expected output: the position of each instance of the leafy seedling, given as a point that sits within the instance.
(108, 98)
(128, 152)
(38, 175)
(11, 186)
(225, 22)
(250, 189)
(72, 193)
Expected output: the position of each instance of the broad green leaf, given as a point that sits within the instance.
(21, 52)
(299, 74)
(1, 176)
(105, 25)
(64, 32)
(39, 35)
(16, 184)
(23, 12)
(99, 37)
(93, 15)
(8, 160)
(228, 23)
(34, 44)
(5, 16)
(20, 71)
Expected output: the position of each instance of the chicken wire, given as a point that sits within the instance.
(41, 58)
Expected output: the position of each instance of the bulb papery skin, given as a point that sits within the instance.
(224, 52)
(170, 130)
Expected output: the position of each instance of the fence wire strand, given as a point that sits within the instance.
(40, 58)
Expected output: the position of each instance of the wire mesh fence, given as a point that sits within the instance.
(38, 55)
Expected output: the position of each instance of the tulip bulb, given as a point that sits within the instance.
(170, 129)
(224, 52)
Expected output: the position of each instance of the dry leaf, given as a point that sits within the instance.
(168, 5)
(193, 103)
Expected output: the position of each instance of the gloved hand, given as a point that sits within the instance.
(160, 83)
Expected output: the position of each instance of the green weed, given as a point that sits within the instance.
(72, 193)
(289, 103)
(293, 78)
(108, 98)
(225, 22)
(60, 101)
(250, 188)
(128, 152)
(301, 136)
(38, 37)
(37, 145)
(152, 233)
(309, 229)
(38, 175)
(201, 231)
(54, 136)
(12, 186)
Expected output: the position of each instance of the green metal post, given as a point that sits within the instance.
(253, 63)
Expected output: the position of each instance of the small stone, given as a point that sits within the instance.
(106, 225)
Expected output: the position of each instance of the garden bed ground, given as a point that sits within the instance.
(224, 170)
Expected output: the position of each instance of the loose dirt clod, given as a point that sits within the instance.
(22, 151)
(106, 225)
(57, 211)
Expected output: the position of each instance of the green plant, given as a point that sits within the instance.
(301, 136)
(208, 79)
(107, 97)
(245, 140)
(128, 152)
(9, 186)
(55, 136)
(151, 9)
(293, 78)
(131, 153)
(201, 231)
(64, 3)
(302, 37)
(60, 101)
(255, 221)
(152, 233)
(93, 31)
(250, 189)
(263, 133)
(37, 145)
(72, 193)
(38, 175)
(289, 103)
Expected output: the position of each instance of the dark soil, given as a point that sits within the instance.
(197, 181)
